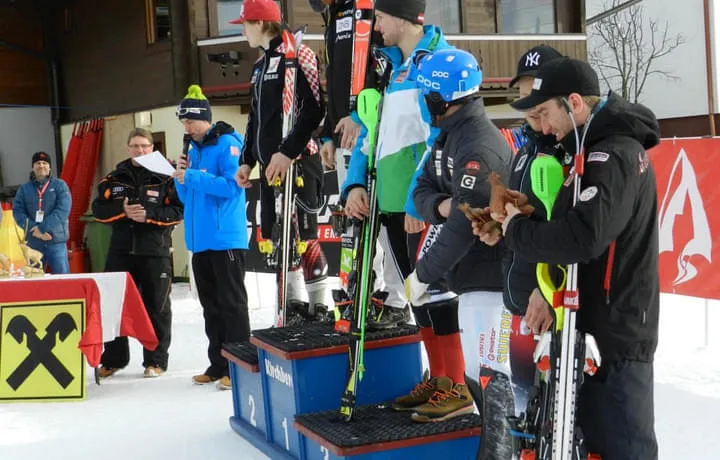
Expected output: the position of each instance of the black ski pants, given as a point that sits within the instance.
(616, 411)
(220, 282)
(153, 277)
(310, 169)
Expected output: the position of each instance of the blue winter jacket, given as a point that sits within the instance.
(56, 205)
(215, 217)
(405, 134)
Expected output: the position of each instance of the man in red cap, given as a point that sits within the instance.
(258, 10)
(265, 144)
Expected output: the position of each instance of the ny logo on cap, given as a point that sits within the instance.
(532, 59)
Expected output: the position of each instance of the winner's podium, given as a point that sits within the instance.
(302, 370)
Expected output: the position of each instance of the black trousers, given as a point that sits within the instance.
(310, 169)
(220, 282)
(616, 411)
(153, 277)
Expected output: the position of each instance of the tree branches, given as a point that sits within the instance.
(629, 48)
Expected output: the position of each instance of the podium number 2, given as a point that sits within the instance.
(287, 439)
(251, 403)
(326, 453)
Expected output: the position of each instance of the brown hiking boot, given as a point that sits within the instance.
(224, 383)
(105, 372)
(418, 395)
(153, 371)
(203, 379)
(447, 402)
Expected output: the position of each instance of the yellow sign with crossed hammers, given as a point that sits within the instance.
(39, 355)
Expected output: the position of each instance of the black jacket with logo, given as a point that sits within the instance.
(339, 33)
(155, 192)
(467, 149)
(263, 135)
(612, 232)
(518, 273)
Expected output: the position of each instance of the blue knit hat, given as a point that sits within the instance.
(195, 106)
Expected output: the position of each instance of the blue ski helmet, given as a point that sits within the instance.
(446, 76)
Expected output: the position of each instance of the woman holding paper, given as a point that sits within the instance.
(143, 208)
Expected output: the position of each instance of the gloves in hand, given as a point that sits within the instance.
(416, 290)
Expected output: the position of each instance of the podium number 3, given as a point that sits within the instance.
(326, 453)
(287, 439)
(251, 403)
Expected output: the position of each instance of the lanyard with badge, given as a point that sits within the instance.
(40, 214)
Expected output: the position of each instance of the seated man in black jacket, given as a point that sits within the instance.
(143, 209)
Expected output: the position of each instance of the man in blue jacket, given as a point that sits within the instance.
(215, 228)
(42, 207)
(405, 134)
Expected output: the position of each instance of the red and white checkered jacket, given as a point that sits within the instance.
(263, 136)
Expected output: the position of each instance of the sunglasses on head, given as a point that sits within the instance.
(185, 110)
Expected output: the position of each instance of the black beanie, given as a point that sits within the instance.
(411, 10)
(41, 156)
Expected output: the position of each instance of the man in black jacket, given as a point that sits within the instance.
(520, 291)
(467, 150)
(143, 209)
(612, 233)
(339, 130)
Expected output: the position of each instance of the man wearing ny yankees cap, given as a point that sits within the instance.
(612, 233)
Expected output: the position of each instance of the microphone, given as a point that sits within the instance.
(186, 147)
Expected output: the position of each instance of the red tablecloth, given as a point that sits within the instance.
(134, 320)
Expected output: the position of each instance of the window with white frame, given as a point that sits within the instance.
(526, 16)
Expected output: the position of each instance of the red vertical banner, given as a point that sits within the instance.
(688, 185)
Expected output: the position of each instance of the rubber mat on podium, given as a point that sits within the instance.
(379, 424)
(246, 352)
(310, 336)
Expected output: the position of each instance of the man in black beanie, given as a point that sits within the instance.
(42, 207)
(411, 10)
(405, 133)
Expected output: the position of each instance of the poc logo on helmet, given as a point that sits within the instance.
(428, 83)
(438, 73)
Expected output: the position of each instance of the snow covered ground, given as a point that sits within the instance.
(129, 417)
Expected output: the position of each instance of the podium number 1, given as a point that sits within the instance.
(251, 403)
(287, 439)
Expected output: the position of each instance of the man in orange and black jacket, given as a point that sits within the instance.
(143, 209)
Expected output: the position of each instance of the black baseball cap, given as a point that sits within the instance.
(531, 61)
(559, 78)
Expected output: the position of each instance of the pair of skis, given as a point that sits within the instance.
(284, 250)
(358, 247)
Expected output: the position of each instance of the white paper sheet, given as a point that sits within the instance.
(156, 162)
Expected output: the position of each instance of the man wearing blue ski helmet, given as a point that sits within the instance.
(447, 77)
(467, 150)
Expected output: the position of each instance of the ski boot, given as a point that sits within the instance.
(299, 312)
(378, 316)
